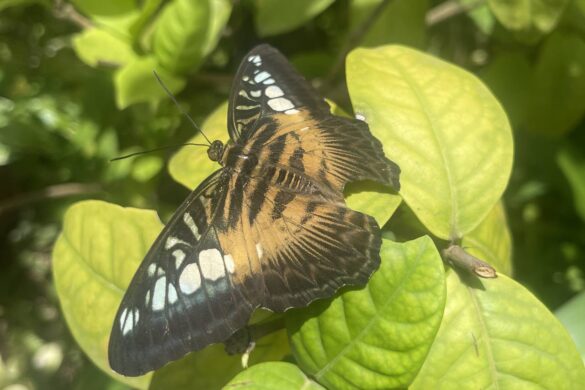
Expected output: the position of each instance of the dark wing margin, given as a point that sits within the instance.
(267, 84)
(182, 297)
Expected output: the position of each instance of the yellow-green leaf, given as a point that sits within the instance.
(443, 127)
(94, 259)
(497, 335)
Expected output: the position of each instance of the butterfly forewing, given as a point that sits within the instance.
(170, 307)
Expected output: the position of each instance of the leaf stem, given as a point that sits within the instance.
(461, 259)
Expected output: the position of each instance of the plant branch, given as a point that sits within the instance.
(461, 259)
(66, 11)
(51, 192)
(448, 10)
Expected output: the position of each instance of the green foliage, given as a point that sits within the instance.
(77, 90)
(441, 177)
(482, 340)
(379, 336)
(275, 375)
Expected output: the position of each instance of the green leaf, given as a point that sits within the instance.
(187, 31)
(401, 21)
(557, 101)
(443, 127)
(572, 163)
(480, 14)
(376, 337)
(190, 166)
(146, 167)
(572, 315)
(135, 82)
(116, 17)
(94, 46)
(273, 375)
(276, 17)
(528, 16)
(13, 3)
(212, 368)
(94, 259)
(491, 241)
(498, 335)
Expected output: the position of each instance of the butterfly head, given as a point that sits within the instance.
(215, 150)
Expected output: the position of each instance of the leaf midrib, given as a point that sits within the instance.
(434, 131)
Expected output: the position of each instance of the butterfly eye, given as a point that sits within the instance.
(215, 150)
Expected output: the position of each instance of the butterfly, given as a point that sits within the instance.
(268, 229)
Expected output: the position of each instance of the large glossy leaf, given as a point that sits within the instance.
(557, 99)
(135, 82)
(274, 375)
(95, 46)
(190, 166)
(572, 163)
(443, 127)
(277, 16)
(528, 15)
(94, 259)
(187, 31)
(378, 336)
(572, 315)
(497, 335)
(490, 241)
(401, 21)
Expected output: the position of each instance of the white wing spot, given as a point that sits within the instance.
(159, 295)
(211, 263)
(360, 117)
(229, 263)
(131, 319)
(280, 104)
(255, 59)
(123, 318)
(291, 111)
(268, 81)
(172, 241)
(190, 280)
(273, 91)
(179, 256)
(256, 94)
(172, 294)
(151, 269)
(259, 250)
(261, 76)
(245, 78)
(188, 219)
(147, 298)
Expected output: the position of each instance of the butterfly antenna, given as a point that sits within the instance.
(154, 150)
(179, 106)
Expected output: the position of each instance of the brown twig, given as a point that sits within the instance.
(462, 259)
(448, 10)
(66, 11)
(51, 192)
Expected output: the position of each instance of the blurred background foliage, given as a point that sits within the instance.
(76, 89)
